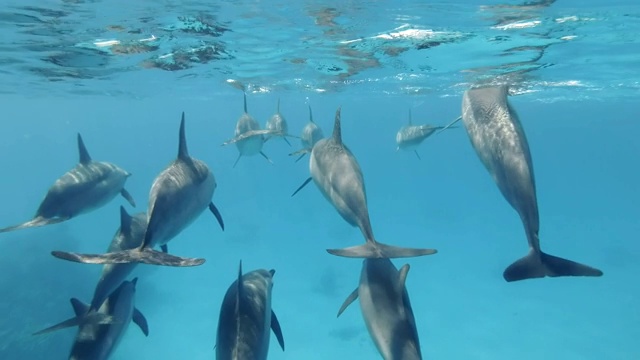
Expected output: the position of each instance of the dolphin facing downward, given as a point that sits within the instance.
(246, 318)
(500, 142)
(100, 332)
(179, 194)
(386, 309)
(337, 174)
(88, 186)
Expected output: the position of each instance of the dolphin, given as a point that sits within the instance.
(129, 236)
(249, 138)
(88, 186)
(500, 142)
(277, 125)
(337, 174)
(410, 136)
(311, 133)
(246, 318)
(96, 340)
(386, 309)
(179, 194)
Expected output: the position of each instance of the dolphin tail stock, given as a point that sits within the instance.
(35, 222)
(377, 250)
(138, 255)
(537, 264)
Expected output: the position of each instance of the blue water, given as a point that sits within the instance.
(575, 80)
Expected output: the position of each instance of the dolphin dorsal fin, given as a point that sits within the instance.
(79, 307)
(244, 94)
(310, 114)
(125, 220)
(337, 132)
(402, 279)
(183, 152)
(239, 290)
(85, 158)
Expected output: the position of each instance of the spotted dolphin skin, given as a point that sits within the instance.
(410, 136)
(88, 186)
(249, 138)
(337, 174)
(129, 236)
(246, 318)
(311, 134)
(500, 142)
(386, 309)
(277, 126)
(100, 332)
(179, 194)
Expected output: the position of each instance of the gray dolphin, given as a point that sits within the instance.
(386, 309)
(311, 133)
(410, 136)
(96, 340)
(129, 236)
(246, 318)
(179, 194)
(337, 174)
(86, 187)
(500, 142)
(249, 138)
(277, 125)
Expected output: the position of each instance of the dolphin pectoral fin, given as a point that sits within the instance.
(74, 321)
(141, 321)
(376, 250)
(266, 157)
(36, 222)
(275, 326)
(418, 155)
(164, 248)
(145, 256)
(238, 159)
(351, 298)
(93, 317)
(125, 194)
(214, 210)
(450, 125)
(538, 265)
(301, 152)
(300, 157)
(301, 186)
(286, 140)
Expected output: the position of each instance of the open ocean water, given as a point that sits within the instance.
(121, 73)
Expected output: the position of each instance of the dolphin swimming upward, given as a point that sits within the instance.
(500, 142)
(337, 174)
(86, 187)
(179, 194)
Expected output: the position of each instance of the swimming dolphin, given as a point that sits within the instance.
(386, 309)
(410, 136)
(246, 318)
(500, 142)
(179, 194)
(97, 340)
(86, 187)
(337, 174)
(129, 236)
(249, 138)
(277, 125)
(311, 133)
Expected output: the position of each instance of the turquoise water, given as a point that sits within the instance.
(575, 80)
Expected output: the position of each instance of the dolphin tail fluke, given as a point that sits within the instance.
(539, 264)
(145, 256)
(376, 250)
(36, 222)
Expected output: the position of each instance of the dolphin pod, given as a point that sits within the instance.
(184, 190)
